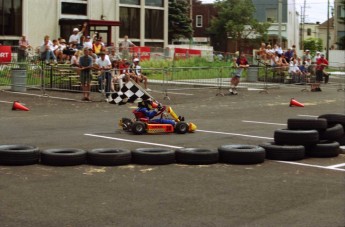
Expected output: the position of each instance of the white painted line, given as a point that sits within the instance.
(261, 122)
(7, 102)
(175, 93)
(235, 134)
(307, 115)
(309, 165)
(132, 141)
(336, 166)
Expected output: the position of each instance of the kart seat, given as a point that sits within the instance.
(140, 116)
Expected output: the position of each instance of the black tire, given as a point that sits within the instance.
(63, 157)
(153, 156)
(181, 127)
(295, 137)
(307, 124)
(138, 128)
(196, 156)
(324, 149)
(334, 119)
(241, 154)
(332, 133)
(19, 155)
(127, 124)
(341, 140)
(109, 157)
(283, 152)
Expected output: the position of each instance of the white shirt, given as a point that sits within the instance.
(75, 38)
(88, 44)
(103, 63)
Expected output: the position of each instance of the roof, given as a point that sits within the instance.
(325, 24)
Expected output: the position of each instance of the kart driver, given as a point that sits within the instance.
(149, 110)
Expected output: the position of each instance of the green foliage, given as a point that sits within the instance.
(179, 22)
(235, 19)
(313, 44)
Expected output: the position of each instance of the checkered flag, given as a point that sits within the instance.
(130, 92)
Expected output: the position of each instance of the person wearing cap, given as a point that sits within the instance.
(75, 36)
(306, 55)
(89, 41)
(137, 75)
(103, 64)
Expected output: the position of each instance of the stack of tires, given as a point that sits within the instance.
(320, 137)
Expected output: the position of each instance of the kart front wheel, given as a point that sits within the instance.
(138, 128)
(181, 127)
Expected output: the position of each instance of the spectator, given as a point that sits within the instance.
(239, 64)
(320, 66)
(294, 71)
(103, 64)
(113, 56)
(306, 55)
(137, 75)
(89, 41)
(46, 50)
(97, 47)
(288, 54)
(85, 63)
(23, 47)
(57, 50)
(124, 46)
(75, 36)
(118, 76)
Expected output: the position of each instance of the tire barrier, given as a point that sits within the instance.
(283, 152)
(241, 154)
(196, 156)
(319, 138)
(19, 155)
(109, 157)
(63, 157)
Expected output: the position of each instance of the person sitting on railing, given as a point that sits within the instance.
(294, 71)
(119, 74)
(46, 50)
(137, 75)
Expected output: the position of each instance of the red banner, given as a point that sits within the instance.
(5, 54)
(181, 53)
(143, 53)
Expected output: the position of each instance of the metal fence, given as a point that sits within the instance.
(64, 78)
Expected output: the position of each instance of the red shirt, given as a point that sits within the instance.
(319, 62)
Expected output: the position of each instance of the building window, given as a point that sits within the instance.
(130, 22)
(341, 12)
(11, 17)
(271, 15)
(74, 8)
(154, 24)
(309, 31)
(159, 3)
(130, 2)
(198, 21)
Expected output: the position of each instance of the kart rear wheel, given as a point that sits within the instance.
(181, 127)
(138, 128)
(127, 124)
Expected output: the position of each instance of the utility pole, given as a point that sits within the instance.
(327, 41)
(302, 23)
(280, 12)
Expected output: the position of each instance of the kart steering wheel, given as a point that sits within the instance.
(161, 111)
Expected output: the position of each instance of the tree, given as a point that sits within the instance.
(235, 19)
(180, 25)
(341, 40)
(313, 44)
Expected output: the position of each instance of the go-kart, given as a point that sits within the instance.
(141, 124)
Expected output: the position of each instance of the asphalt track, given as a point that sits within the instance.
(310, 192)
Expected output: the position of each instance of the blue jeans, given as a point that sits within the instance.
(105, 76)
(47, 55)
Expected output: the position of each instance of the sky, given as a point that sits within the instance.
(316, 10)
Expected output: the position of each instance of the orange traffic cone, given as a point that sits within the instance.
(18, 106)
(293, 102)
